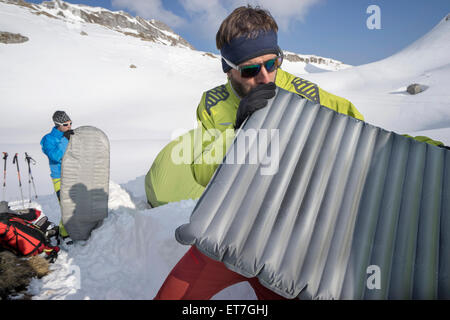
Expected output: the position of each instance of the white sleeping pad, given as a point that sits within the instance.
(85, 182)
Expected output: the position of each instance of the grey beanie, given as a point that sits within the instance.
(59, 117)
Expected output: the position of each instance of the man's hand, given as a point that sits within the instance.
(255, 100)
(68, 133)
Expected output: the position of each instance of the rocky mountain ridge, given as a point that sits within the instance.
(120, 21)
(330, 63)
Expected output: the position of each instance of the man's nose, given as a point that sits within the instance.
(263, 76)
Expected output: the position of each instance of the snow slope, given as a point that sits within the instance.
(378, 89)
(141, 109)
(127, 258)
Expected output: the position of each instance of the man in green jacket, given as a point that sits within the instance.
(251, 59)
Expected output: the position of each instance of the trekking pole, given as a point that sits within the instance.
(5, 156)
(16, 161)
(29, 160)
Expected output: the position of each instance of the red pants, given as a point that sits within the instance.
(198, 277)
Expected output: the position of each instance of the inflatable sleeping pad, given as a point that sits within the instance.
(332, 207)
(85, 182)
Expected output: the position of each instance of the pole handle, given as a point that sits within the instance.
(28, 158)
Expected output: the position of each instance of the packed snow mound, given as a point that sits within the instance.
(127, 257)
(133, 250)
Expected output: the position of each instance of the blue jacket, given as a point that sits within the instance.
(54, 145)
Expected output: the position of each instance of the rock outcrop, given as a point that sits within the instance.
(416, 88)
(8, 37)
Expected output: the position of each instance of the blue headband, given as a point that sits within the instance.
(244, 48)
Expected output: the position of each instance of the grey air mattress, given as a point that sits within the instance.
(85, 182)
(353, 211)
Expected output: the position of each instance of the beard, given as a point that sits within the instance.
(241, 89)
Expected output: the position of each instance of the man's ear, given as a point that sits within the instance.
(229, 75)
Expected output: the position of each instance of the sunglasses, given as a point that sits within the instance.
(64, 124)
(250, 71)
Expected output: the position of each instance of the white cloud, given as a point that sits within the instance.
(205, 16)
(284, 11)
(150, 9)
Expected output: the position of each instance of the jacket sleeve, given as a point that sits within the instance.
(212, 146)
(426, 139)
(52, 148)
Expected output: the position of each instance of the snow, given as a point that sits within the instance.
(141, 110)
(133, 250)
(127, 258)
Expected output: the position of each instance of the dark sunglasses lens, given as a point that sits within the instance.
(67, 124)
(250, 71)
(271, 65)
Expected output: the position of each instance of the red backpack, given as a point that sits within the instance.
(24, 238)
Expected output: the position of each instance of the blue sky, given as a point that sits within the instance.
(330, 28)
